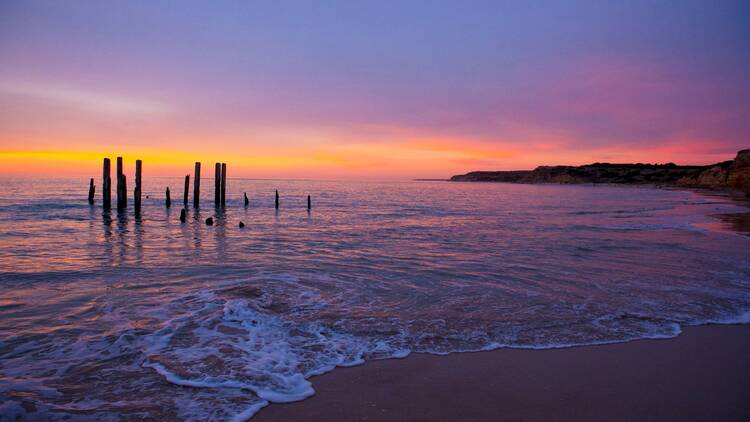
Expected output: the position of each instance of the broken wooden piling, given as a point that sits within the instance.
(169, 200)
(187, 187)
(122, 192)
(106, 186)
(197, 185)
(309, 203)
(217, 184)
(92, 189)
(223, 184)
(247, 201)
(138, 186)
(183, 215)
(277, 199)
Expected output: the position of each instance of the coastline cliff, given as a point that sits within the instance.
(732, 174)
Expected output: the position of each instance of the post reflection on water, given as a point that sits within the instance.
(132, 239)
(220, 234)
(107, 244)
(121, 243)
(138, 227)
(195, 219)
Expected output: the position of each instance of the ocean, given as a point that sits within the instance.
(109, 316)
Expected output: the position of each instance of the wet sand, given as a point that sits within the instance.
(702, 375)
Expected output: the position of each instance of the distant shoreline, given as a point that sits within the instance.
(728, 175)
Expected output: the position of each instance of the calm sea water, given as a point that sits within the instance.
(107, 316)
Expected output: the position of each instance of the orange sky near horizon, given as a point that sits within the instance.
(48, 130)
(400, 161)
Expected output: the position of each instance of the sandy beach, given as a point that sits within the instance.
(702, 375)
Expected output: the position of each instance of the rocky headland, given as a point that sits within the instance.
(728, 175)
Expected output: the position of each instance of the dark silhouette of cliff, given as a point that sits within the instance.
(732, 174)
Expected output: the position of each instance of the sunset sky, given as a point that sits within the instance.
(353, 89)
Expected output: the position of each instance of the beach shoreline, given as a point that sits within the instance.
(431, 387)
(700, 375)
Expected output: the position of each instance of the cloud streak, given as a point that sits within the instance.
(92, 102)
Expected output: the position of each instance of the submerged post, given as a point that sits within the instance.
(277, 199)
(138, 186)
(197, 185)
(247, 201)
(121, 191)
(169, 200)
(217, 184)
(309, 203)
(223, 184)
(183, 215)
(91, 191)
(187, 187)
(106, 186)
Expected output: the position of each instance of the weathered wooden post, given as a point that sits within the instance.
(169, 200)
(121, 192)
(223, 184)
(138, 186)
(277, 199)
(309, 203)
(106, 186)
(247, 201)
(187, 186)
(197, 185)
(91, 191)
(183, 215)
(217, 184)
